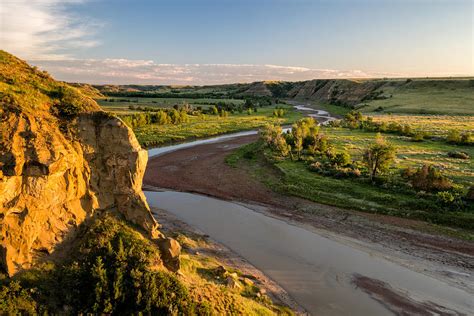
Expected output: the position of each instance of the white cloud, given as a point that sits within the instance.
(124, 71)
(43, 29)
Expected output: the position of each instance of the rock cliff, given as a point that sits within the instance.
(62, 160)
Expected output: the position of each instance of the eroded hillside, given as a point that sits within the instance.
(62, 160)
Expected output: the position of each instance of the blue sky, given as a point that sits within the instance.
(201, 42)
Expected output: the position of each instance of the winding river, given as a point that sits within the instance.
(316, 270)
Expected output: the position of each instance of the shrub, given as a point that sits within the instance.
(429, 178)
(113, 271)
(418, 137)
(454, 137)
(278, 112)
(470, 194)
(458, 155)
(445, 197)
(466, 138)
(66, 110)
(15, 300)
(341, 159)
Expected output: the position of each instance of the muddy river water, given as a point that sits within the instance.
(316, 269)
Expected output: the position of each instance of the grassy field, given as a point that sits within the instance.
(409, 153)
(426, 97)
(436, 125)
(210, 125)
(294, 178)
(119, 106)
(359, 193)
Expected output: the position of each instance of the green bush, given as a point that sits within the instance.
(458, 154)
(341, 159)
(65, 110)
(454, 137)
(428, 178)
(15, 300)
(113, 270)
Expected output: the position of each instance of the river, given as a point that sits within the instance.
(315, 269)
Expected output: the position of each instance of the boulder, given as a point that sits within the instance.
(170, 250)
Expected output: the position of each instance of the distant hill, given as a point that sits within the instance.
(412, 96)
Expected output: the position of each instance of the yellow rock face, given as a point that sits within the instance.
(55, 174)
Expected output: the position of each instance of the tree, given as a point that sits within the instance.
(379, 156)
(298, 135)
(313, 138)
(102, 302)
(273, 136)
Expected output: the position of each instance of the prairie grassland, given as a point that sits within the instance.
(428, 97)
(211, 125)
(409, 153)
(437, 125)
(296, 179)
(120, 106)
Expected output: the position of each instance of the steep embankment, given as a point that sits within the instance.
(453, 95)
(61, 161)
(334, 91)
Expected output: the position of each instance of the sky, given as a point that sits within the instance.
(222, 41)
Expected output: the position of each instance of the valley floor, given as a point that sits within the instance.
(202, 169)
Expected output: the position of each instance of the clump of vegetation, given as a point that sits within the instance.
(355, 120)
(456, 137)
(427, 178)
(458, 155)
(379, 156)
(113, 270)
(279, 112)
(272, 135)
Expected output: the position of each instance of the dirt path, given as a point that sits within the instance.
(202, 169)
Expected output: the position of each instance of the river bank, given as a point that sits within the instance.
(201, 168)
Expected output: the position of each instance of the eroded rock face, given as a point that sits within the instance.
(55, 174)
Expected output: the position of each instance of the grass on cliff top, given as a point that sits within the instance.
(112, 269)
(210, 125)
(29, 89)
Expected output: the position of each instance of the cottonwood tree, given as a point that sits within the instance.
(379, 156)
(273, 136)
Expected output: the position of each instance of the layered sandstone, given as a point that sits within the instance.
(62, 160)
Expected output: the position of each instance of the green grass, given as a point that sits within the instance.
(409, 153)
(294, 178)
(435, 125)
(33, 91)
(210, 125)
(448, 97)
(335, 110)
(122, 107)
